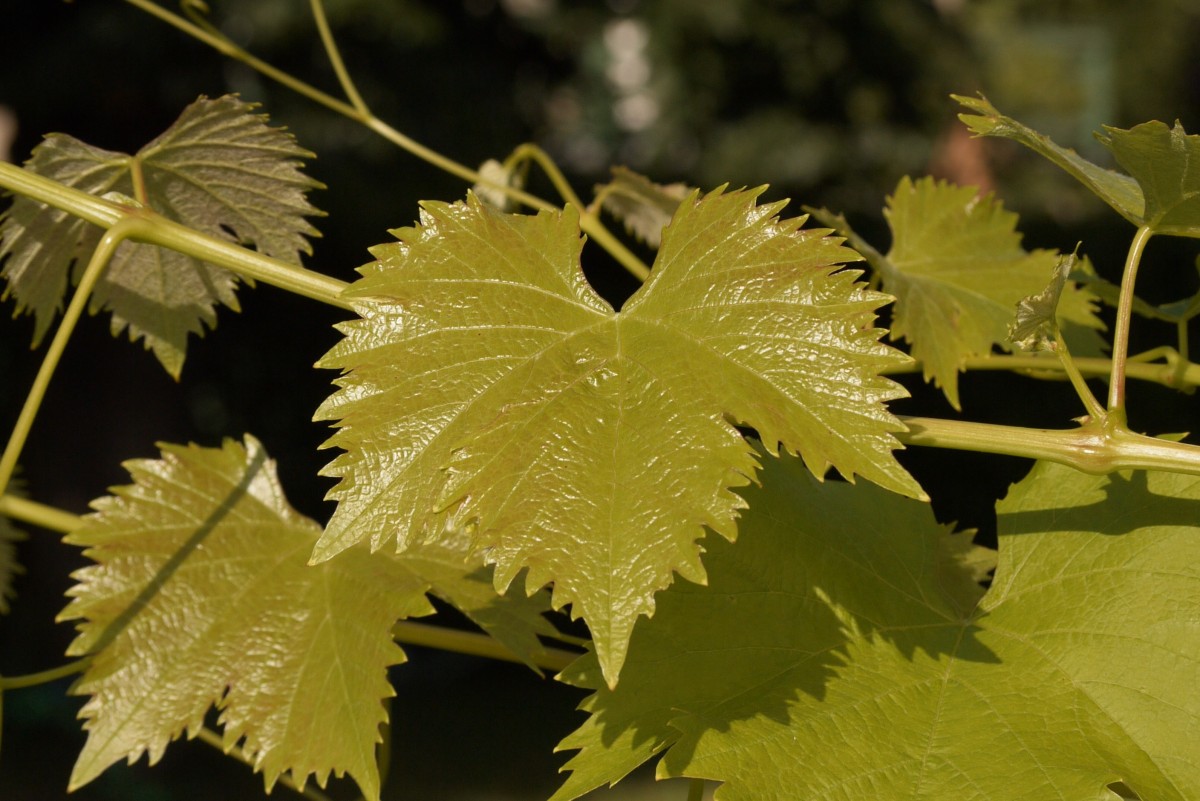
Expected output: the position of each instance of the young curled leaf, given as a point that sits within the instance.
(1036, 323)
(645, 207)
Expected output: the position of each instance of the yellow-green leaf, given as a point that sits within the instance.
(843, 651)
(202, 594)
(219, 169)
(957, 269)
(487, 384)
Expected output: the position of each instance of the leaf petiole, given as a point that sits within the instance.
(44, 676)
(474, 644)
(1120, 349)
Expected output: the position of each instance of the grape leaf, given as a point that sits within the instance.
(1162, 160)
(202, 594)
(1119, 191)
(219, 169)
(487, 382)
(957, 269)
(1035, 326)
(842, 651)
(643, 206)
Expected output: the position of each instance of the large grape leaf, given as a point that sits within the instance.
(486, 379)
(957, 269)
(202, 594)
(219, 169)
(842, 651)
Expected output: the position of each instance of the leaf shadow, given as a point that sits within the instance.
(1122, 505)
(258, 460)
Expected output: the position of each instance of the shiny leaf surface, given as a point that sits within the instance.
(487, 384)
(201, 594)
(219, 169)
(842, 650)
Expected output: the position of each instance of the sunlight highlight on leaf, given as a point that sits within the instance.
(486, 383)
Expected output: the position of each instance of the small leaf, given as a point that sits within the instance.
(644, 206)
(202, 595)
(1163, 161)
(219, 169)
(1036, 323)
(1119, 191)
(486, 380)
(957, 269)
(830, 657)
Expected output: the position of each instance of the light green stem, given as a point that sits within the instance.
(38, 514)
(44, 676)
(1094, 409)
(335, 59)
(474, 644)
(589, 223)
(1176, 372)
(1101, 446)
(157, 230)
(696, 790)
(1120, 348)
(112, 239)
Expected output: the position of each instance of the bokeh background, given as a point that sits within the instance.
(828, 101)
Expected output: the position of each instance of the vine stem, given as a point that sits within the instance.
(696, 790)
(112, 239)
(1177, 372)
(589, 223)
(475, 644)
(157, 230)
(1120, 349)
(44, 676)
(1098, 447)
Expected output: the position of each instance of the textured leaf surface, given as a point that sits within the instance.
(842, 651)
(957, 269)
(202, 594)
(1036, 324)
(219, 169)
(487, 379)
(645, 207)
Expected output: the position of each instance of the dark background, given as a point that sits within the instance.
(829, 101)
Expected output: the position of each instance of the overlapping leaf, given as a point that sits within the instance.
(842, 651)
(957, 269)
(10, 535)
(1162, 189)
(645, 207)
(487, 379)
(219, 169)
(202, 594)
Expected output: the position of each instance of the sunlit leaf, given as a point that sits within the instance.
(838, 653)
(202, 595)
(488, 380)
(219, 169)
(957, 269)
(644, 206)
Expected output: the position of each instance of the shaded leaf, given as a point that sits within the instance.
(219, 169)
(1119, 191)
(643, 206)
(487, 380)
(957, 269)
(833, 655)
(1163, 160)
(10, 568)
(202, 595)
